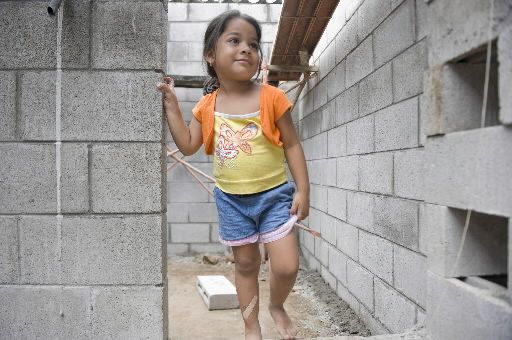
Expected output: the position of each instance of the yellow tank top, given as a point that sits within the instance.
(245, 161)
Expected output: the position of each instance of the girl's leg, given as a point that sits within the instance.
(283, 268)
(247, 268)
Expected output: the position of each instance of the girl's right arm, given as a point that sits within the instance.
(188, 139)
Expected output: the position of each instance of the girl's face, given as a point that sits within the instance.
(236, 53)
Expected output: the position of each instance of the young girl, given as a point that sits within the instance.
(248, 128)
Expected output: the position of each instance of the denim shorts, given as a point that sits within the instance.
(263, 216)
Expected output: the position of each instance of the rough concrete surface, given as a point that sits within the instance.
(315, 308)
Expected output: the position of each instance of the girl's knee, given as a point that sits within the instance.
(247, 265)
(285, 271)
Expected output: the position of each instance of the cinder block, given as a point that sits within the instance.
(370, 15)
(396, 127)
(217, 292)
(323, 171)
(177, 248)
(336, 22)
(376, 91)
(485, 247)
(320, 94)
(346, 40)
(410, 274)
(361, 136)
(336, 80)
(328, 228)
(75, 34)
(322, 251)
(455, 98)
(408, 69)
(112, 250)
(28, 184)
(351, 8)
(257, 11)
(74, 178)
(274, 12)
(23, 46)
(309, 243)
(408, 173)
(328, 278)
(348, 172)
(376, 254)
(177, 212)
(346, 296)
(268, 32)
(347, 239)
(337, 141)
(195, 53)
(112, 106)
(327, 61)
(7, 105)
(422, 24)
(316, 147)
(181, 175)
(360, 62)
(190, 232)
(360, 283)
(347, 105)
(187, 68)
(452, 36)
(360, 208)
(465, 311)
(129, 35)
(505, 75)
(395, 34)
(397, 220)
(202, 212)
(328, 116)
(33, 312)
(214, 232)
(37, 105)
(126, 177)
(9, 263)
(187, 31)
(129, 312)
(311, 125)
(374, 325)
(206, 12)
(337, 203)
(318, 197)
(376, 173)
(39, 250)
(177, 51)
(392, 309)
(482, 158)
(177, 11)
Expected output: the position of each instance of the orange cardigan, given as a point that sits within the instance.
(273, 104)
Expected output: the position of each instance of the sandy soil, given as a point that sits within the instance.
(314, 307)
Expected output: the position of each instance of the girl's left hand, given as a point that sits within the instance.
(300, 205)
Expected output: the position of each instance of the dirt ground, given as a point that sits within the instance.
(315, 308)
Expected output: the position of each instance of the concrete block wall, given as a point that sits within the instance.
(82, 180)
(191, 212)
(397, 156)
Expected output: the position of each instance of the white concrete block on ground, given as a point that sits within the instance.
(217, 292)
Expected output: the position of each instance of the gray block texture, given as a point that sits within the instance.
(28, 183)
(376, 254)
(126, 177)
(392, 309)
(7, 106)
(485, 248)
(376, 91)
(111, 106)
(376, 173)
(505, 75)
(482, 158)
(112, 250)
(9, 261)
(22, 45)
(128, 36)
(396, 127)
(458, 27)
(466, 312)
(455, 97)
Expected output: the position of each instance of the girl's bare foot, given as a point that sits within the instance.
(283, 322)
(253, 332)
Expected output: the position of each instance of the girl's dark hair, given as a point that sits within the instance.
(213, 32)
